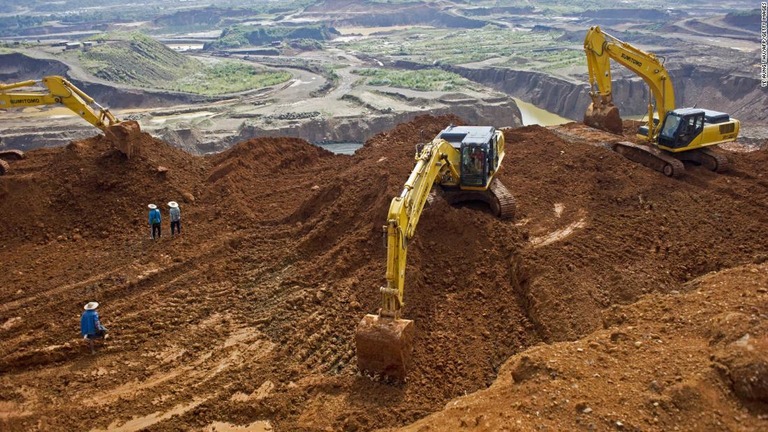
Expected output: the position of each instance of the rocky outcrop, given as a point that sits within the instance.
(738, 95)
(499, 112)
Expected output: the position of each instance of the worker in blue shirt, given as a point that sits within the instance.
(154, 220)
(90, 326)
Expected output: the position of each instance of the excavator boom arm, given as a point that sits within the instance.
(404, 213)
(463, 161)
(60, 91)
(384, 341)
(601, 47)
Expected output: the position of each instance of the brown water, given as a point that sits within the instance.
(534, 115)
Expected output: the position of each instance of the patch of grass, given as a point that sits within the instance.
(423, 80)
(229, 77)
(138, 60)
(243, 35)
(454, 47)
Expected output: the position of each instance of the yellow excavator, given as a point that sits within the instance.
(671, 135)
(463, 161)
(62, 92)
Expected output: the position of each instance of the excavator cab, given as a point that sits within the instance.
(480, 149)
(680, 127)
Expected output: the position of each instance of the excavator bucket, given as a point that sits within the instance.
(384, 346)
(604, 117)
(123, 134)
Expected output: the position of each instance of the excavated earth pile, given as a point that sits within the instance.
(248, 318)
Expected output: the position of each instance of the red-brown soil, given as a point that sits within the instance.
(249, 316)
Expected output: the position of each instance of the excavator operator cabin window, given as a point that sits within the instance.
(473, 165)
(690, 127)
(478, 160)
(699, 123)
(472, 158)
(466, 159)
(669, 131)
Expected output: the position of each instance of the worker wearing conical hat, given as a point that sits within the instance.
(90, 326)
(175, 213)
(155, 221)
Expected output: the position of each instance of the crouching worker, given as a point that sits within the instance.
(90, 326)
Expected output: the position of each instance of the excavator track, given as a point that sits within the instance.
(504, 202)
(705, 157)
(11, 155)
(713, 161)
(651, 157)
(497, 196)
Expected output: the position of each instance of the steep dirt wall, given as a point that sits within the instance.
(499, 113)
(567, 99)
(738, 95)
(360, 129)
(699, 86)
(124, 98)
(348, 129)
(18, 67)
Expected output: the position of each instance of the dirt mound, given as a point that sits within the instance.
(665, 362)
(89, 189)
(266, 178)
(249, 316)
(624, 230)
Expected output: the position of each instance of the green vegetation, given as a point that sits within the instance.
(136, 59)
(424, 80)
(229, 77)
(133, 58)
(12, 25)
(240, 36)
(455, 47)
(552, 60)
